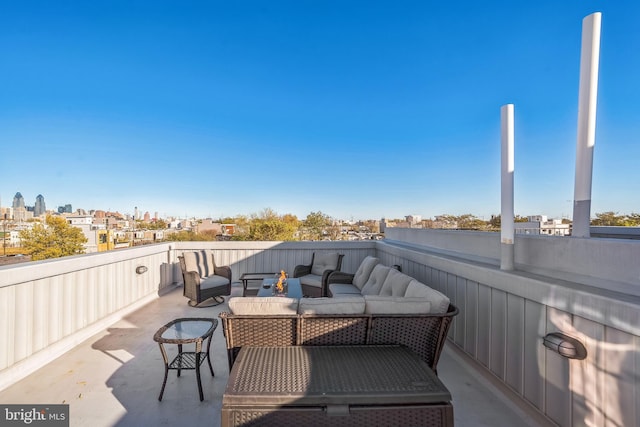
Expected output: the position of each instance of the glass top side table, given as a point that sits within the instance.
(186, 331)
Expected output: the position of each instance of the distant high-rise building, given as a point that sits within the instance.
(18, 201)
(147, 216)
(65, 209)
(39, 207)
(19, 209)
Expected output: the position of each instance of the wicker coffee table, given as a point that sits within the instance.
(334, 386)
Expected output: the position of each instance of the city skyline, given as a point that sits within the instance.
(156, 213)
(357, 110)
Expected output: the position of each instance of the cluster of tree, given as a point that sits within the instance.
(54, 239)
(613, 219)
(191, 236)
(158, 224)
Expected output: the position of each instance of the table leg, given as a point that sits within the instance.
(209, 356)
(179, 352)
(166, 371)
(198, 376)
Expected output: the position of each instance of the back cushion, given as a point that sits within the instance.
(395, 284)
(439, 301)
(211, 262)
(322, 262)
(343, 305)
(196, 261)
(263, 305)
(376, 279)
(364, 271)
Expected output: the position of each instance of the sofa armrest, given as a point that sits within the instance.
(301, 270)
(325, 283)
(191, 284)
(192, 278)
(224, 271)
(340, 277)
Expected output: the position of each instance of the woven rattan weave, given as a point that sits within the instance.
(424, 334)
(334, 385)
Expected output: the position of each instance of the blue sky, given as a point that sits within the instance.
(356, 109)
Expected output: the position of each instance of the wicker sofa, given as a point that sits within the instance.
(420, 322)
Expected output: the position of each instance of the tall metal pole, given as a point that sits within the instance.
(507, 168)
(589, 61)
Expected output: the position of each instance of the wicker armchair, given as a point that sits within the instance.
(203, 279)
(313, 277)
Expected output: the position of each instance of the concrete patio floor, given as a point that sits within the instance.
(113, 379)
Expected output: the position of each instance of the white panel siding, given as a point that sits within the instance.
(535, 326)
(587, 377)
(55, 291)
(460, 302)
(40, 315)
(484, 325)
(621, 378)
(24, 321)
(471, 318)
(515, 343)
(557, 391)
(7, 318)
(498, 332)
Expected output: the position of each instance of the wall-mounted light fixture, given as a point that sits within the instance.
(141, 269)
(565, 345)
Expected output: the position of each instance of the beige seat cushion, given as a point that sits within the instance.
(213, 282)
(364, 271)
(439, 301)
(376, 304)
(322, 262)
(340, 289)
(344, 305)
(263, 305)
(311, 280)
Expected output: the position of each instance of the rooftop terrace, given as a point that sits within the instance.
(114, 377)
(79, 330)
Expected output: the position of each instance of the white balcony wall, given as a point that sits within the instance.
(265, 257)
(48, 307)
(585, 288)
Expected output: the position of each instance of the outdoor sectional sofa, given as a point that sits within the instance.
(390, 308)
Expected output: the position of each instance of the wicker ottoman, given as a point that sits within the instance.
(334, 386)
